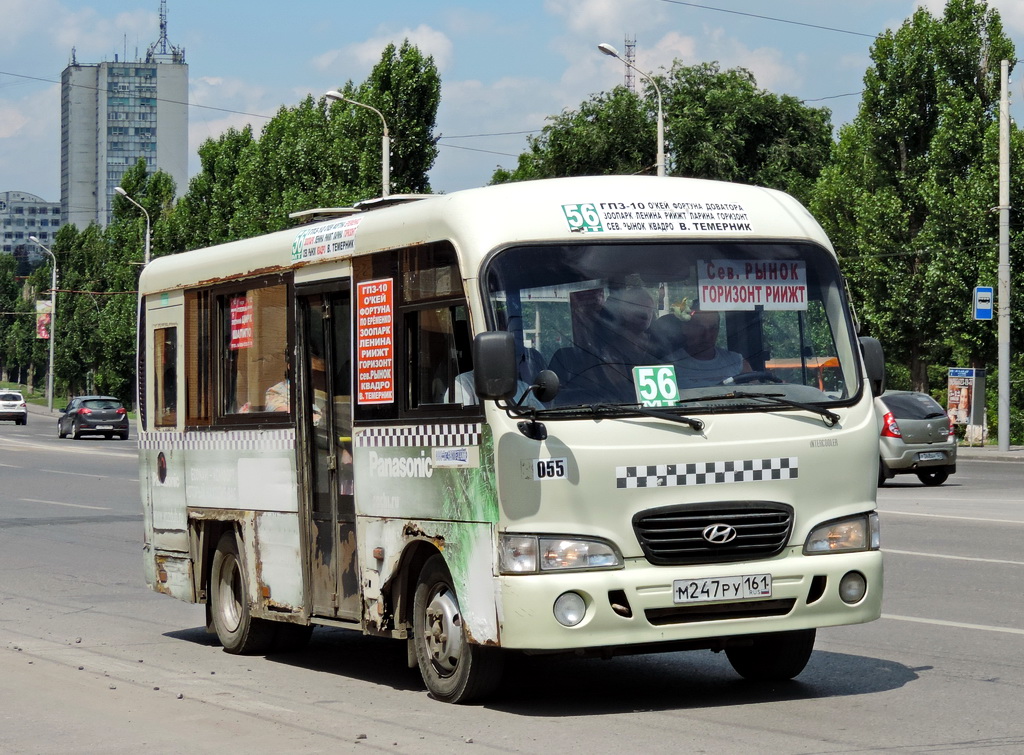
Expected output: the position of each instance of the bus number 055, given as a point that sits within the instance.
(549, 469)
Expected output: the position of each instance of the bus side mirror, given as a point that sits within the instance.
(546, 386)
(874, 362)
(494, 365)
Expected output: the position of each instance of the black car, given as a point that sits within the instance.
(93, 415)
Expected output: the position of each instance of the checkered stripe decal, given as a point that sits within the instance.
(445, 436)
(232, 440)
(707, 473)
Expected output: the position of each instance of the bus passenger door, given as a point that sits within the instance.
(325, 398)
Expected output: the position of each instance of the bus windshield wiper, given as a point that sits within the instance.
(779, 399)
(611, 410)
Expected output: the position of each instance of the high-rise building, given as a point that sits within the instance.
(114, 113)
(23, 215)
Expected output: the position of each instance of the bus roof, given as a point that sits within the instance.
(476, 221)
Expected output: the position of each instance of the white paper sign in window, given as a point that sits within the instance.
(735, 285)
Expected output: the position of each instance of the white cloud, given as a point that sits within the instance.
(30, 142)
(768, 64)
(594, 18)
(12, 120)
(366, 54)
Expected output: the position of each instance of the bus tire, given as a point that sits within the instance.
(775, 657)
(238, 631)
(454, 670)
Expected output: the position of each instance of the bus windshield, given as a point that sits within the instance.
(672, 324)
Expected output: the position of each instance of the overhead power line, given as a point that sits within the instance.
(771, 18)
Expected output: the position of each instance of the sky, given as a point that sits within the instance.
(505, 65)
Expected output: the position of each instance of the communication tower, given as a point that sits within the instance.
(630, 62)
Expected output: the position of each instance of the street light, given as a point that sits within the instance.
(124, 194)
(53, 319)
(607, 49)
(385, 142)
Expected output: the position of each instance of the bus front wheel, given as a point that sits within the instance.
(238, 631)
(774, 657)
(454, 669)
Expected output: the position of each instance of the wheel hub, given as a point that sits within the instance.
(443, 636)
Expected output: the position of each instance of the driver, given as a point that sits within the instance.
(701, 362)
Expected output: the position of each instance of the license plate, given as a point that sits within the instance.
(104, 427)
(931, 456)
(746, 587)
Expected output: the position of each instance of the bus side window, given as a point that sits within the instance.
(437, 341)
(255, 371)
(165, 377)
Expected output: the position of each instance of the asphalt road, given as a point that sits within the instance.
(91, 661)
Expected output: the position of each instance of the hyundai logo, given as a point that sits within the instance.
(719, 534)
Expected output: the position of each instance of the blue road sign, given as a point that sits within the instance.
(983, 302)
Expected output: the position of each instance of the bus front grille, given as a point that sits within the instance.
(705, 534)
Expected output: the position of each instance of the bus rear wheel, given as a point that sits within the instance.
(238, 631)
(774, 657)
(454, 669)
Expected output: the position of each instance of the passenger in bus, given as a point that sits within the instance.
(278, 399)
(700, 361)
(601, 367)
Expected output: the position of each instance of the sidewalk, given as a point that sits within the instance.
(34, 410)
(990, 453)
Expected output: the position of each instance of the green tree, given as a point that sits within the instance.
(609, 134)
(907, 197)
(9, 291)
(202, 217)
(317, 154)
(718, 125)
(406, 88)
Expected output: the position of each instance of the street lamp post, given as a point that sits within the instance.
(385, 142)
(53, 319)
(607, 49)
(124, 194)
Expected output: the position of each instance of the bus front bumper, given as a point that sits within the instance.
(636, 605)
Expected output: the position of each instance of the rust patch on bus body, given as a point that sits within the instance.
(412, 531)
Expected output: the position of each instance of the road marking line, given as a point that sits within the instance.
(21, 445)
(955, 558)
(72, 505)
(950, 516)
(956, 624)
(78, 474)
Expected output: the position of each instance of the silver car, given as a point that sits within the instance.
(916, 437)
(13, 407)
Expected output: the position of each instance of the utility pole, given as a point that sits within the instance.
(1003, 299)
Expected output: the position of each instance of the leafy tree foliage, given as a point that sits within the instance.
(718, 125)
(907, 198)
(609, 134)
(317, 154)
(9, 297)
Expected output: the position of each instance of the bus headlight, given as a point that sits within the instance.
(529, 554)
(855, 533)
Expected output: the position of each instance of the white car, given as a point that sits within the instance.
(13, 407)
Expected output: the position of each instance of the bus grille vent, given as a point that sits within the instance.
(722, 532)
